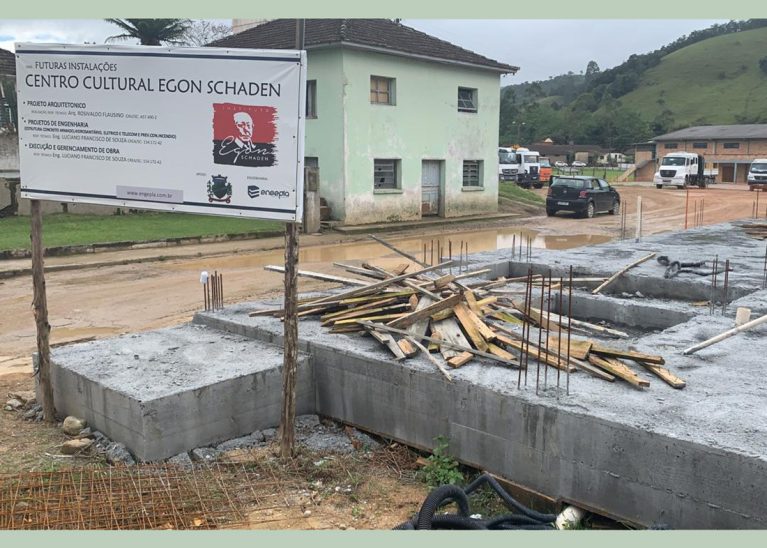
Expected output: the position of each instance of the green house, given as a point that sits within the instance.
(401, 125)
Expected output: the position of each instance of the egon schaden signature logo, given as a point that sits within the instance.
(255, 192)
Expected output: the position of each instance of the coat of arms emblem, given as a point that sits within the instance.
(219, 190)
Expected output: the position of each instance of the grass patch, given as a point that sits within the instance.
(512, 191)
(61, 229)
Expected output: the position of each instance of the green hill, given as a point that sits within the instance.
(716, 81)
(717, 75)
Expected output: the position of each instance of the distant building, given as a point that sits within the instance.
(729, 149)
(588, 154)
(400, 124)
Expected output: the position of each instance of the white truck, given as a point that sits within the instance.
(520, 165)
(757, 174)
(682, 169)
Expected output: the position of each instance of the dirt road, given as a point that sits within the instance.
(119, 298)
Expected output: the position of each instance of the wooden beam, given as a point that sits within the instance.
(387, 340)
(462, 313)
(397, 250)
(449, 330)
(629, 354)
(461, 359)
(618, 369)
(319, 276)
(357, 292)
(440, 342)
(407, 347)
(579, 348)
(410, 319)
(431, 358)
(664, 374)
(615, 276)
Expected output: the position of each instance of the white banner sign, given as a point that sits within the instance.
(201, 130)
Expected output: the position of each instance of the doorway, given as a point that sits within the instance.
(431, 183)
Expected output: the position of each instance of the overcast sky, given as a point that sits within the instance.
(541, 48)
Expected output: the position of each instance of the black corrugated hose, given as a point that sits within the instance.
(524, 518)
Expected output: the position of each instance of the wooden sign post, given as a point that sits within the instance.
(40, 305)
(290, 338)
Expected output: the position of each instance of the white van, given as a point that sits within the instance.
(757, 174)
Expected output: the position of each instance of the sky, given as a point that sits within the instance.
(541, 48)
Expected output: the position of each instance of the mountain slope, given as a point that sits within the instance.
(716, 81)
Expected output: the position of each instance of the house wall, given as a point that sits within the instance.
(424, 124)
(325, 133)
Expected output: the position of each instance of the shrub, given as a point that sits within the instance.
(441, 468)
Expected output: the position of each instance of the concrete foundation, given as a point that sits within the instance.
(691, 458)
(172, 390)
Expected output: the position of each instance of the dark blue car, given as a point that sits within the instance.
(582, 195)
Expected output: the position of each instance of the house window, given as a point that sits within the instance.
(670, 145)
(311, 98)
(385, 174)
(731, 145)
(472, 173)
(700, 145)
(381, 90)
(467, 100)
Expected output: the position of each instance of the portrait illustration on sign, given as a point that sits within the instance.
(244, 135)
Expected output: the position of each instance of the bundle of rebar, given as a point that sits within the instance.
(213, 292)
(147, 496)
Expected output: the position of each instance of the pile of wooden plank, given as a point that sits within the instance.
(756, 230)
(453, 323)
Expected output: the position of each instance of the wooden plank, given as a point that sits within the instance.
(379, 318)
(461, 359)
(471, 301)
(361, 271)
(628, 354)
(367, 313)
(500, 352)
(387, 340)
(615, 276)
(366, 306)
(431, 358)
(549, 358)
(420, 327)
(592, 370)
(413, 302)
(443, 281)
(398, 251)
(441, 342)
(376, 287)
(407, 348)
(319, 276)
(486, 301)
(579, 348)
(578, 324)
(400, 269)
(449, 331)
(383, 294)
(663, 374)
(410, 319)
(442, 315)
(462, 313)
(618, 369)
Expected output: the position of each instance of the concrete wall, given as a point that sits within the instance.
(424, 124)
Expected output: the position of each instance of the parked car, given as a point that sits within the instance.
(578, 163)
(560, 163)
(584, 196)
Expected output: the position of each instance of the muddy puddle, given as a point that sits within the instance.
(424, 248)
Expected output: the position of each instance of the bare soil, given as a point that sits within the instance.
(117, 298)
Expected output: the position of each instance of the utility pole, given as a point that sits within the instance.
(290, 338)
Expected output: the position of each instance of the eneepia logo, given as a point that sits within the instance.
(255, 192)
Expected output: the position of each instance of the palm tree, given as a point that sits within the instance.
(151, 32)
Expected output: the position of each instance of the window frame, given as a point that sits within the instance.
(700, 144)
(731, 145)
(390, 90)
(474, 100)
(480, 183)
(669, 146)
(311, 100)
(396, 175)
